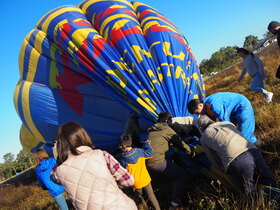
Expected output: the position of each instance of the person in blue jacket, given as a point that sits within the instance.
(227, 106)
(133, 159)
(44, 165)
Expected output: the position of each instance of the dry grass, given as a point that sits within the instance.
(25, 197)
(206, 194)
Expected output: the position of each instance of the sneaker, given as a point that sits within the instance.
(269, 97)
(173, 205)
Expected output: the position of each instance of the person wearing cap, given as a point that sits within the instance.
(274, 28)
(227, 106)
(242, 161)
(255, 68)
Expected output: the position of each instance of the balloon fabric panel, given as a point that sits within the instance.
(84, 63)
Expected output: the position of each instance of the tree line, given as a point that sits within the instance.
(13, 165)
(227, 56)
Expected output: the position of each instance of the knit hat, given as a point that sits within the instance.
(272, 25)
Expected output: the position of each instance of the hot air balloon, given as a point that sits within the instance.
(95, 63)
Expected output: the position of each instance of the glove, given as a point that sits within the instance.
(193, 154)
(198, 149)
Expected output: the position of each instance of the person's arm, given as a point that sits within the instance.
(180, 144)
(122, 177)
(242, 74)
(147, 150)
(41, 183)
(123, 162)
(194, 131)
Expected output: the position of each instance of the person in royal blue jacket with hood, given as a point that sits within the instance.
(44, 165)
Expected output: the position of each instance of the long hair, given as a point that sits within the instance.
(40, 155)
(71, 136)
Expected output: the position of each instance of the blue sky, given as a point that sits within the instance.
(207, 25)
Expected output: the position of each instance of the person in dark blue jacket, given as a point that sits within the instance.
(44, 165)
(227, 106)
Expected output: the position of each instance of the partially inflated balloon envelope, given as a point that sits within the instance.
(95, 63)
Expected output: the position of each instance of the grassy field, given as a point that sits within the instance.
(205, 194)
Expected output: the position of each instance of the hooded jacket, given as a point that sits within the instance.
(89, 183)
(161, 136)
(134, 162)
(43, 173)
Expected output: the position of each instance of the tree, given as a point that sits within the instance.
(219, 60)
(9, 158)
(11, 166)
(251, 42)
(24, 159)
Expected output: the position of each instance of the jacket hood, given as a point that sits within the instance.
(46, 164)
(158, 127)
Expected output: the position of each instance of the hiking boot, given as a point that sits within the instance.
(269, 97)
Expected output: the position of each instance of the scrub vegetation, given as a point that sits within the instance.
(205, 194)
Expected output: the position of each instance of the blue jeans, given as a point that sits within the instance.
(249, 169)
(61, 202)
(258, 84)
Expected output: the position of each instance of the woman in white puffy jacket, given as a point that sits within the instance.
(91, 177)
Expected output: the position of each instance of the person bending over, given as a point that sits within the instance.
(162, 136)
(226, 106)
(242, 161)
